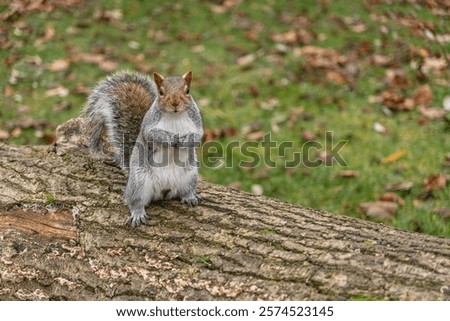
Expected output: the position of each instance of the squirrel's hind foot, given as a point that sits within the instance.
(192, 200)
(137, 218)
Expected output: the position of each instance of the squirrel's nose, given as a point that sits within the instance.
(177, 105)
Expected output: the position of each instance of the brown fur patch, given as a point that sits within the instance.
(133, 97)
(133, 101)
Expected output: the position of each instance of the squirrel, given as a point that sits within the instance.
(150, 128)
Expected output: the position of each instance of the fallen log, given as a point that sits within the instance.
(62, 237)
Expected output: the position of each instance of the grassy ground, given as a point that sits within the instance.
(297, 69)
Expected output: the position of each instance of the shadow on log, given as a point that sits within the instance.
(62, 237)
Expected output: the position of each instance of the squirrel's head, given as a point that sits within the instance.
(174, 96)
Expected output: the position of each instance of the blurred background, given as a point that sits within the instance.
(374, 73)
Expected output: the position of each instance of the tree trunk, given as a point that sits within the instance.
(62, 237)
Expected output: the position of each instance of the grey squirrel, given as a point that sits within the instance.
(150, 128)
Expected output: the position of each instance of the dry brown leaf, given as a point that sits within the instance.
(358, 28)
(289, 37)
(82, 89)
(9, 90)
(59, 65)
(90, 58)
(49, 34)
(321, 57)
(434, 182)
(213, 134)
(397, 78)
(246, 61)
(348, 174)
(432, 113)
(4, 134)
(381, 211)
(443, 211)
(337, 77)
(255, 135)
(235, 185)
(108, 16)
(59, 91)
(403, 186)
(396, 102)
(434, 64)
(108, 65)
(392, 197)
(308, 135)
(325, 157)
(381, 61)
(423, 95)
(16, 132)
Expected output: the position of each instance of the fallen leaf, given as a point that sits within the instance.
(432, 113)
(255, 135)
(9, 90)
(235, 185)
(59, 91)
(397, 77)
(380, 60)
(348, 174)
(16, 132)
(82, 89)
(394, 156)
(217, 133)
(108, 16)
(108, 65)
(293, 37)
(443, 211)
(434, 182)
(246, 61)
(358, 28)
(392, 197)
(49, 34)
(403, 186)
(308, 135)
(381, 211)
(434, 64)
(59, 65)
(4, 134)
(62, 106)
(326, 157)
(289, 37)
(396, 102)
(423, 95)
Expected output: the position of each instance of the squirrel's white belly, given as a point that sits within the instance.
(172, 174)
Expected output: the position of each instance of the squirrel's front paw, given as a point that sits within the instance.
(137, 218)
(191, 200)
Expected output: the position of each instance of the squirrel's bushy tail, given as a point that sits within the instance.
(114, 112)
(100, 127)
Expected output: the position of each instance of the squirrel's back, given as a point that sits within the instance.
(114, 113)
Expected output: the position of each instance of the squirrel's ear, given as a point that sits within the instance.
(158, 79)
(188, 77)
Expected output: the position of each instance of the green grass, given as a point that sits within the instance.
(174, 37)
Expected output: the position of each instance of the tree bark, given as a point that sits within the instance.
(62, 237)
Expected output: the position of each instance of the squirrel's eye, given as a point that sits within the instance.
(161, 93)
(187, 91)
